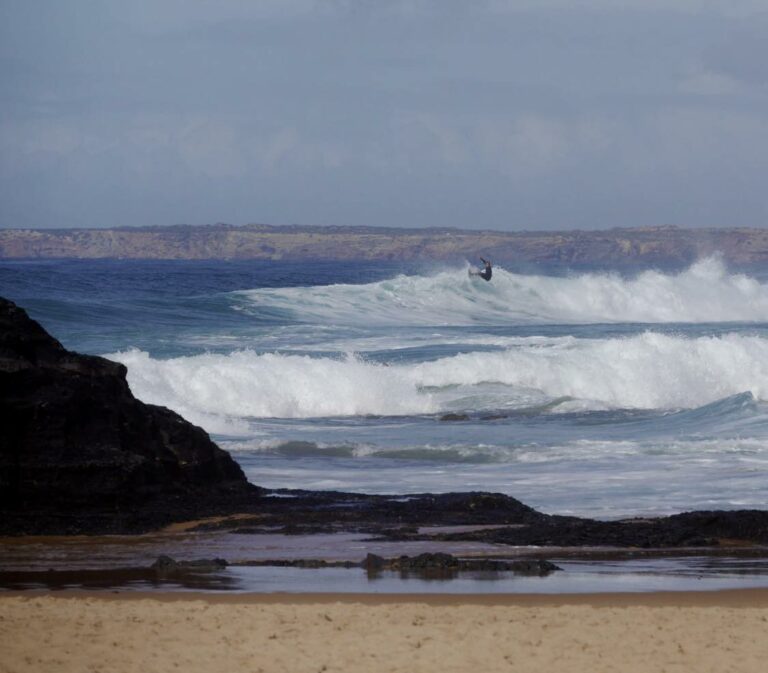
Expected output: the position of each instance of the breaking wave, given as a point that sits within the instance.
(705, 292)
(644, 371)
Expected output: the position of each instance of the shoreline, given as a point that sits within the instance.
(753, 598)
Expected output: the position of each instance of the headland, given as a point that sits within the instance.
(620, 247)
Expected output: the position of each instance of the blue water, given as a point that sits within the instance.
(586, 393)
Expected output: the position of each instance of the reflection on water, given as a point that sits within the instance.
(126, 551)
(678, 574)
(125, 579)
(122, 563)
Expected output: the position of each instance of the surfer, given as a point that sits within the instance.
(486, 273)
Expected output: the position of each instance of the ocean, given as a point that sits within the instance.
(585, 392)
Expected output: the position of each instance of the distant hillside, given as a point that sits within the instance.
(619, 247)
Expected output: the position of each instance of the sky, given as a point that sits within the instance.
(483, 114)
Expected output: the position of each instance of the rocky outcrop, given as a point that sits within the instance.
(689, 529)
(79, 453)
(492, 518)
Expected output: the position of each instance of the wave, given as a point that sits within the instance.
(247, 384)
(705, 292)
(477, 453)
(644, 371)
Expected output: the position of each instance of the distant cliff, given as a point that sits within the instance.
(620, 247)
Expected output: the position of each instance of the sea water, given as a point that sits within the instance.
(592, 393)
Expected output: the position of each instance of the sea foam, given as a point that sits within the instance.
(644, 371)
(705, 292)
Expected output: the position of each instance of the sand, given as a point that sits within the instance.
(715, 631)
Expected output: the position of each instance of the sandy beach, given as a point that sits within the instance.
(709, 631)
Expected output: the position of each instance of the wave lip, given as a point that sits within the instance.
(704, 293)
(245, 384)
(646, 371)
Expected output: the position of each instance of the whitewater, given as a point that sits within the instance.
(645, 371)
(579, 392)
(705, 292)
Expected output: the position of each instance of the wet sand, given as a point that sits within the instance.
(673, 631)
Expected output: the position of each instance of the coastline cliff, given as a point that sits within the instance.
(617, 247)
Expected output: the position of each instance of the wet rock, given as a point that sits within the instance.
(437, 564)
(505, 520)
(80, 454)
(391, 516)
(448, 564)
(424, 561)
(690, 529)
(165, 565)
(311, 564)
(374, 562)
(454, 417)
(442, 561)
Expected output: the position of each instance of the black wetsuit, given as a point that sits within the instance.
(487, 272)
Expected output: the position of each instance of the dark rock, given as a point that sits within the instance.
(538, 567)
(454, 417)
(391, 516)
(447, 565)
(374, 562)
(165, 565)
(434, 565)
(424, 561)
(312, 564)
(80, 454)
(690, 529)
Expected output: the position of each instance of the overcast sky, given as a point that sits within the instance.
(501, 114)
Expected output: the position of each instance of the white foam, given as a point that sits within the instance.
(246, 384)
(705, 292)
(649, 370)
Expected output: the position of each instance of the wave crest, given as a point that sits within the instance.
(705, 292)
(645, 371)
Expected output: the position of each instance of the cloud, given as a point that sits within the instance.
(364, 111)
